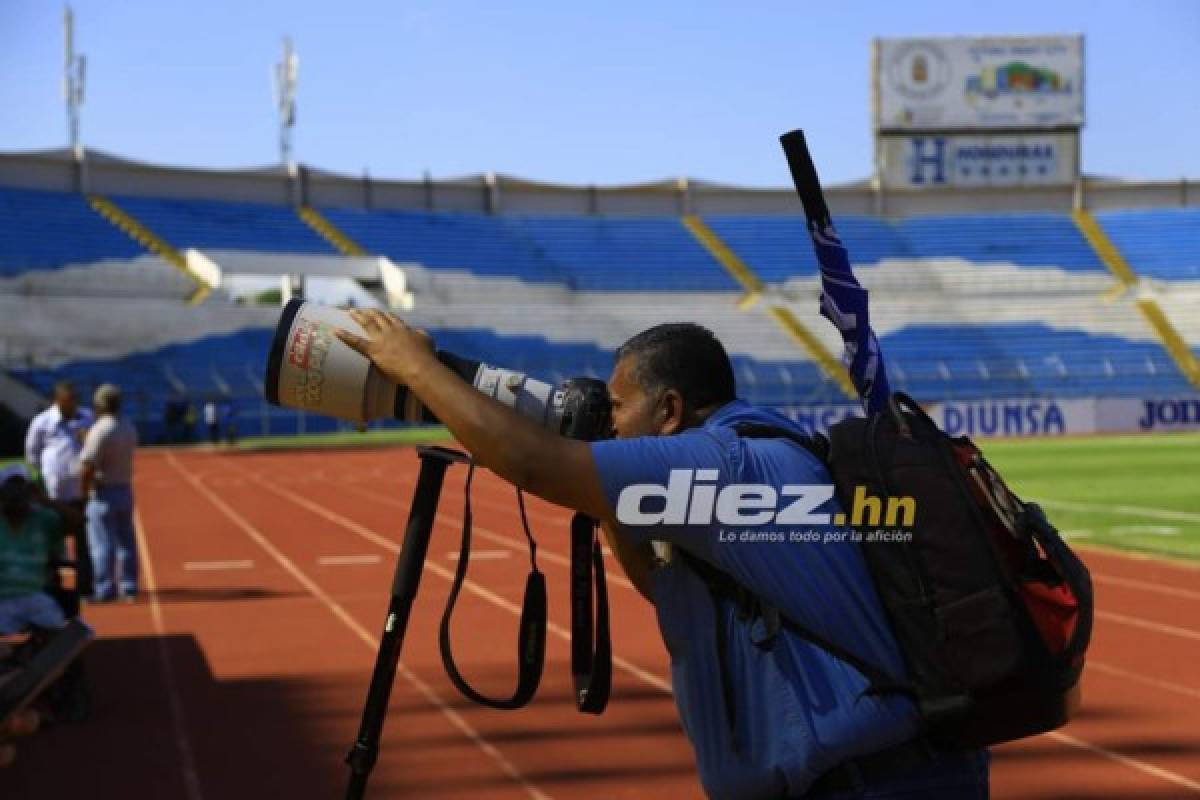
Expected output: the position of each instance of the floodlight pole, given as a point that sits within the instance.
(74, 75)
(286, 73)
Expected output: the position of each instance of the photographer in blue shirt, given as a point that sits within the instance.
(787, 718)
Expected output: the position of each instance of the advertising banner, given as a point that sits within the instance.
(918, 161)
(1025, 417)
(979, 83)
(1150, 414)
(1045, 416)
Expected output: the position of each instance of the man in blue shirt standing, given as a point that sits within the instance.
(768, 713)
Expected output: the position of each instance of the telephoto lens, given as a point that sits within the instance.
(309, 368)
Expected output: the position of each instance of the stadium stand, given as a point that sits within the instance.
(646, 254)
(1023, 239)
(226, 225)
(581, 253)
(48, 230)
(778, 248)
(482, 244)
(1161, 244)
(969, 306)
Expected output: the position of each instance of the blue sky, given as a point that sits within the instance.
(602, 92)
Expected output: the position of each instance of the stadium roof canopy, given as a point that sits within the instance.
(106, 173)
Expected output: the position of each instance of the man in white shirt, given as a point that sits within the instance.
(52, 447)
(107, 482)
(54, 440)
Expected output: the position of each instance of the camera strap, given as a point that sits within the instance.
(531, 635)
(591, 647)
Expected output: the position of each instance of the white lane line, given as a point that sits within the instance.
(534, 514)
(1145, 586)
(561, 560)
(655, 680)
(203, 566)
(1132, 763)
(348, 561)
(1126, 510)
(187, 761)
(1145, 624)
(1153, 530)
(442, 572)
(1136, 677)
(369, 640)
(489, 534)
(481, 555)
(552, 517)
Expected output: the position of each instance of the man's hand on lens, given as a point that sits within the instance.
(399, 351)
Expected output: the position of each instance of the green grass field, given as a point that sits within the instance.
(1133, 492)
(379, 438)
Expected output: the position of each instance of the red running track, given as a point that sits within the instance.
(243, 671)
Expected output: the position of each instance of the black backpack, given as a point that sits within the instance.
(991, 609)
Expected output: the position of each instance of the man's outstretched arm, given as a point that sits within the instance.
(553, 467)
(516, 448)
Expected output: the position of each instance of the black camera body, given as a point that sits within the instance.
(587, 410)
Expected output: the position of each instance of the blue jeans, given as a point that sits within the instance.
(39, 608)
(955, 776)
(111, 540)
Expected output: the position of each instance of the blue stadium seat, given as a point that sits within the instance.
(959, 362)
(624, 254)
(482, 244)
(578, 252)
(225, 225)
(45, 230)
(778, 248)
(1036, 240)
(1157, 244)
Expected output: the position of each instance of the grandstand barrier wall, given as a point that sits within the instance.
(1035, 417)
(105, 173)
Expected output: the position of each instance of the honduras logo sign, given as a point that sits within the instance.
(984, 160)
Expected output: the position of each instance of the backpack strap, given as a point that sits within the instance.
(814, 443)
(750, 606)
(721, 585)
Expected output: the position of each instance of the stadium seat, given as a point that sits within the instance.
(638, 254)
(48, 230)
(1157, 244)
(224, 225)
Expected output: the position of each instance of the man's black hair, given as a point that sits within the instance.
(683, 356)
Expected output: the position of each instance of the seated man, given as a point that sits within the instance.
(31, 542)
